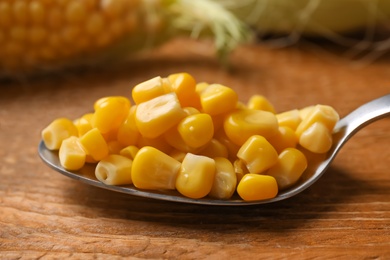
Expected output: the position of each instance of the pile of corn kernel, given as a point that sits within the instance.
(196, 138)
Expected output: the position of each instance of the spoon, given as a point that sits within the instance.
(318, 164)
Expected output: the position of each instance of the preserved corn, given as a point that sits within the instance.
(163, 143)
(153, 169)
(254, 187)
(57, 131)
(114, 170)
(72, 155)
(196, 176)
(289, 168)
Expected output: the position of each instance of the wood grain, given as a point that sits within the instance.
(346, 214)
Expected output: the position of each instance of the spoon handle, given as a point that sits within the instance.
(362, 116)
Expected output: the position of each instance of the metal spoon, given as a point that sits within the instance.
(343, 131)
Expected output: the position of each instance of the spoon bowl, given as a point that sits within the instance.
(318, 164)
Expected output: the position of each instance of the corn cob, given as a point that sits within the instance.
(42, 35)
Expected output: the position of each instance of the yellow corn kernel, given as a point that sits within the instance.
(260, 102)
(153, 169)
(183, 84)
(231, 147)
(254, 187)
(240, 169)
(289, 118)
(148, 90)
(94, 144)
(258, 154)
(225, 179)
(241, 105)
(114, 170)
(196, 176)
(159, 143)
(320, 113)
(128, 133)
(72, 154)
(196, 130)
(289, 168)
(111, 135)
(57, 131)
(114, 147)
(303, 112)
(191, 111)
(283, 139)
(110, 113)
(173, 138)
(317, 138)
(218, 99)
(178, 155)
(201, 86)
(214, 149)
(155, 116)
(242, 124)
(83, 124)
(129, 151)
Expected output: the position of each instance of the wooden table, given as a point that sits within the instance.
(346, 214)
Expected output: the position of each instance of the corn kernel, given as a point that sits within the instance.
(191, 111)
(200, 87)
(183, 84)
(225, 179)
(214, 149)
(240, 169)
(260, 102)
(114, 147)
(231, 147)
(320, 113)
(94, 144)
(175, 140)
(218, 99)
(128, 133)
(178, 155)
(196, 130)
(258, 154)
(83, 124)
(114, 170)
(153, 169)
(157, 115)
(110, 112)
(129, 151)
(289, 118)
(242, 124)
(72, 154)
(289, 168)
(148, 90)
(57, 131)
(317, 138)
(254, 187)
(196, 176)
(303, 112)
(283, 139)
(159, 142)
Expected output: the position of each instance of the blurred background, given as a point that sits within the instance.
(41, 37)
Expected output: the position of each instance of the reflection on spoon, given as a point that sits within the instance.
(318, 164)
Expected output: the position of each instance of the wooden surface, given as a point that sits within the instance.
(346, 214)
